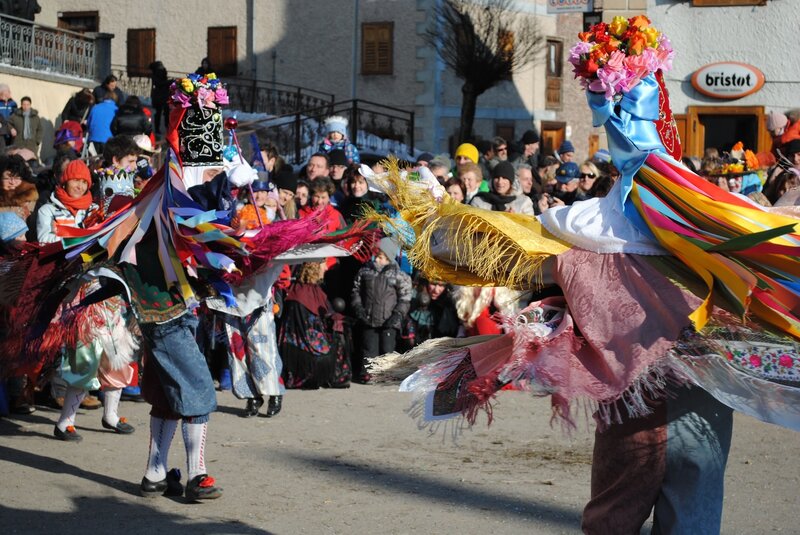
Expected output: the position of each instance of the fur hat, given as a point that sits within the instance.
(336, 123)
(11, 226)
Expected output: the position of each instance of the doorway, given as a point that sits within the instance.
(721, 127)
(553, 134)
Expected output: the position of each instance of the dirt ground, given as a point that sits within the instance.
(352, 461)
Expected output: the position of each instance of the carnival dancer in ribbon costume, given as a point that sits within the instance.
(104, 347)
(169, 247)
(668, 282)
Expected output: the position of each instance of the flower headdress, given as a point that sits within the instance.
(204, 91)
(613, 58)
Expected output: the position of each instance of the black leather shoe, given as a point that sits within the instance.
(174, 487)
(274, 406)
(70, 435)
(152, 489)
(253, 404)
(169, 486)
(122, 427)
(202, 487)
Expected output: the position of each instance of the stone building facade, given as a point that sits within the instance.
(761, 33)
(321, 45)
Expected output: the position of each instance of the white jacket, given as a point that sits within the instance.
(54, 212)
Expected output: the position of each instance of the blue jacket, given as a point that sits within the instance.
(7, 107)
(100, 117)
(350, 150)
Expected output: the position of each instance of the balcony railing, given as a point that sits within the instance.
(29, 45)
(373, 128)
(246, 95)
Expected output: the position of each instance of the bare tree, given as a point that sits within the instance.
(485, 43)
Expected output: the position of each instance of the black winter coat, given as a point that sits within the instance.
(381, 296)
(131, 122)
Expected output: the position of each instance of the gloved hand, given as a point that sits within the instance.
(394, 321)
(360, 313)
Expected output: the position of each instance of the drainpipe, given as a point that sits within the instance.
(438, 130)
(354, 78)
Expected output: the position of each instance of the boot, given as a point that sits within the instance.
(275, 405)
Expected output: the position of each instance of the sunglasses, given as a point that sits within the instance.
(502, 149)
(587, 175)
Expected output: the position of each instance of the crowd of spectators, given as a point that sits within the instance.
(336, 314)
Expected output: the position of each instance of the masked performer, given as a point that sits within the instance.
(169, 248)
(668, 283)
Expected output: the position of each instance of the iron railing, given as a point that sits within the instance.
(372, 127)
(246, 95)
(29, 45)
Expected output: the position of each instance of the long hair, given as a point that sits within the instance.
(310, 273)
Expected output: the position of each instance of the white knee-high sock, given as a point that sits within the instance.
(161, 433)
(111, 405)
(194, 438)
(72, 400)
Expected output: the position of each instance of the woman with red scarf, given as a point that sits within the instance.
(69, 204)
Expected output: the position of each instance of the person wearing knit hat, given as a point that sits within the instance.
(69, 204)
(286, 182)
(602, 156)
(466, 152)
(336, 139)
(530, 149)
(424, 158)
(566, 151)
(381, 299)
(504, 194)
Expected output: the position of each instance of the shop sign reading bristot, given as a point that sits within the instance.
(727, 79)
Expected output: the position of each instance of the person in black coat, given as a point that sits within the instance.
(77, 107)
(131, 119)
(159, 94)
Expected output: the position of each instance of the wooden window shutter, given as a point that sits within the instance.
(141, 51)
(222, 51)
(377, 48)
(721, 3)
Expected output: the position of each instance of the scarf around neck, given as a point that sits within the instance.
(72, 204)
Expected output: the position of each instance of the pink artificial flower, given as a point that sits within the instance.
(755, 361)
(638, 65)
(786, 361)
(616, 61)
(182, 99)
(203, 96)
(578, 50)
(221, 95)
(609, 82)
(651, 59)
